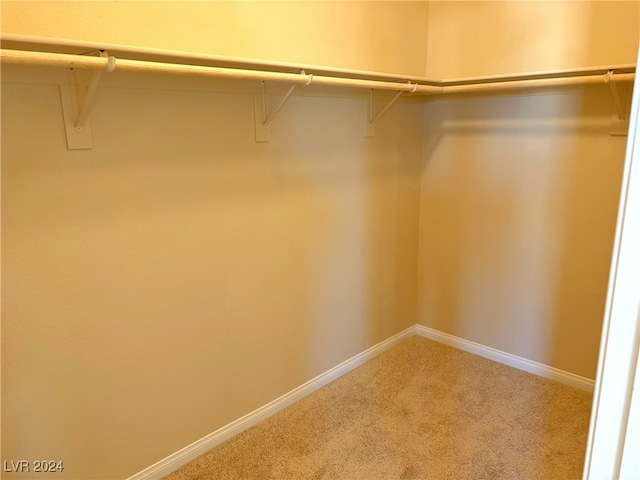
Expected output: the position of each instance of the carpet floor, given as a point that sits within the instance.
(421, 410)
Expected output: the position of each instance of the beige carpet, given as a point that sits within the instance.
(421, 410)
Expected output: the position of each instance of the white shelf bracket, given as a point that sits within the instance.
(267, 119)
(619, 117)
(371, 119)
(77, 102)
(261, 118)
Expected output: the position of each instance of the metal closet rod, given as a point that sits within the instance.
(23, 57)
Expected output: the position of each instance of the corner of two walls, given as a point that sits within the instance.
(158, 286)
(520, 190)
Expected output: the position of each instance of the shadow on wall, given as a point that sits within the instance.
(519, 198)
(363, 289)
(520, 192)
(181, 267)
(519, 202)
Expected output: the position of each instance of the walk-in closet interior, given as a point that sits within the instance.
(211, 209)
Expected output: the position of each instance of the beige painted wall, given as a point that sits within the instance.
(519, 197)
(180, 275)
(476, 38)
(378, 36)
(519, 192)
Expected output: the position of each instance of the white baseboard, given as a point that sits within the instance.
(520, 363)
(174, 461)
(181, 457)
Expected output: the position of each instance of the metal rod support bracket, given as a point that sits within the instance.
(77, 101)
(371, 119)
(619, 116)
(261, 118)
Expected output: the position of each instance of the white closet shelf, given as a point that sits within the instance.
(62, 45)
(73, 54)
(135, 58)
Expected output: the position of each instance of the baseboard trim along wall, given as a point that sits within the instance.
(181, 457)
(520, 363)
(176, 460)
